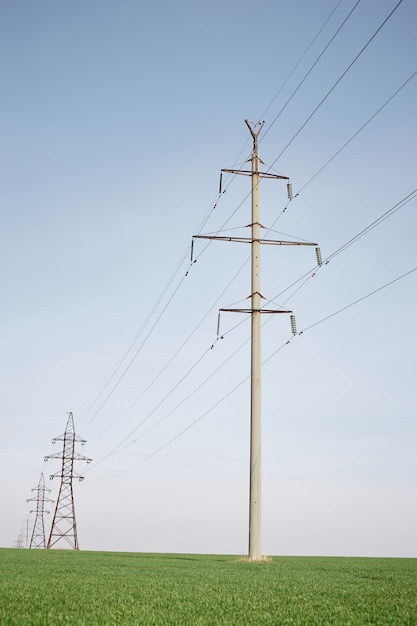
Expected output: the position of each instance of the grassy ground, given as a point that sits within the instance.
(51, 587)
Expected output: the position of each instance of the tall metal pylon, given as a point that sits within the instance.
(19, 543)
(254, 552)
(64, 525)
(38, 534)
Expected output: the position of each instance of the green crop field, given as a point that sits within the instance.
(51, 587)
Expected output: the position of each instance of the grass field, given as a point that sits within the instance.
(51, 587)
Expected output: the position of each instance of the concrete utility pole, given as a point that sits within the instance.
(64, 525)
(256, 310)
(256, 397)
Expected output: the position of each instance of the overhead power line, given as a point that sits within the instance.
(132, 359)
(127, 353)
(311, 272)
(244, 380)
(405, 200)
(300, 59)
(374, 224)
(355, 302)
(351, 64)
(357, 133)
(311, 68)
(261, 117)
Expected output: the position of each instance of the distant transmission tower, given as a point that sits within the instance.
(19, 543)
(38, 535)
(64, 525)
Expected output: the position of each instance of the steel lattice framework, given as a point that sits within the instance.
(38, 534)
(64, 525)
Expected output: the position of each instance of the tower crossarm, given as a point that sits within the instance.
(73, 436)
(65, 478)
(267, 311)
(56, 455)
(273, 242)
(81, 457)
(260, 174)
(76, 456)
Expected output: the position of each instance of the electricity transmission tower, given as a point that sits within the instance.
(19, 543)
(64, 525)
(38, 534)
(255, 311)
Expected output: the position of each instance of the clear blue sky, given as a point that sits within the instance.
(116, 120)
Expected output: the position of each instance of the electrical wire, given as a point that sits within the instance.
(147, 320)
(374, 224)
(162, 419)
(310, 70)
(355, 134)
(292, 72)
(171, 360)
(244, 380)
(130, 363)
(304, 278)
(312, 272)
(204, 221)
(284, 83)
(134, 340)
(271, 229)
(303, 55)
(337, 82)
(348, 306)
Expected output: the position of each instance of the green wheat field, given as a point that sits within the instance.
(51, 587)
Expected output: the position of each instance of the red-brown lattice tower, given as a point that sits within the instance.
(64, 526)
(38, 534)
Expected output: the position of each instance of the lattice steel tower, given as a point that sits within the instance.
(64, 525)
(38, 534)
(19, 543)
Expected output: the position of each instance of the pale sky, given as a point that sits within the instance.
(117, 118)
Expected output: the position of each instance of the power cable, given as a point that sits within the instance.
(292, 72)
(302, 57)
(337, 82)
(305, 277)
(136, 337)
(120, 378)
(312, 272)
(154, 380)
(147, 320)
(310, 70)
(311, 115)
(374, 224)
(204, 221)
(289, 76)
(270, 229)
(348, 306)
(113, 450)
(269, 358)
(355, 134)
